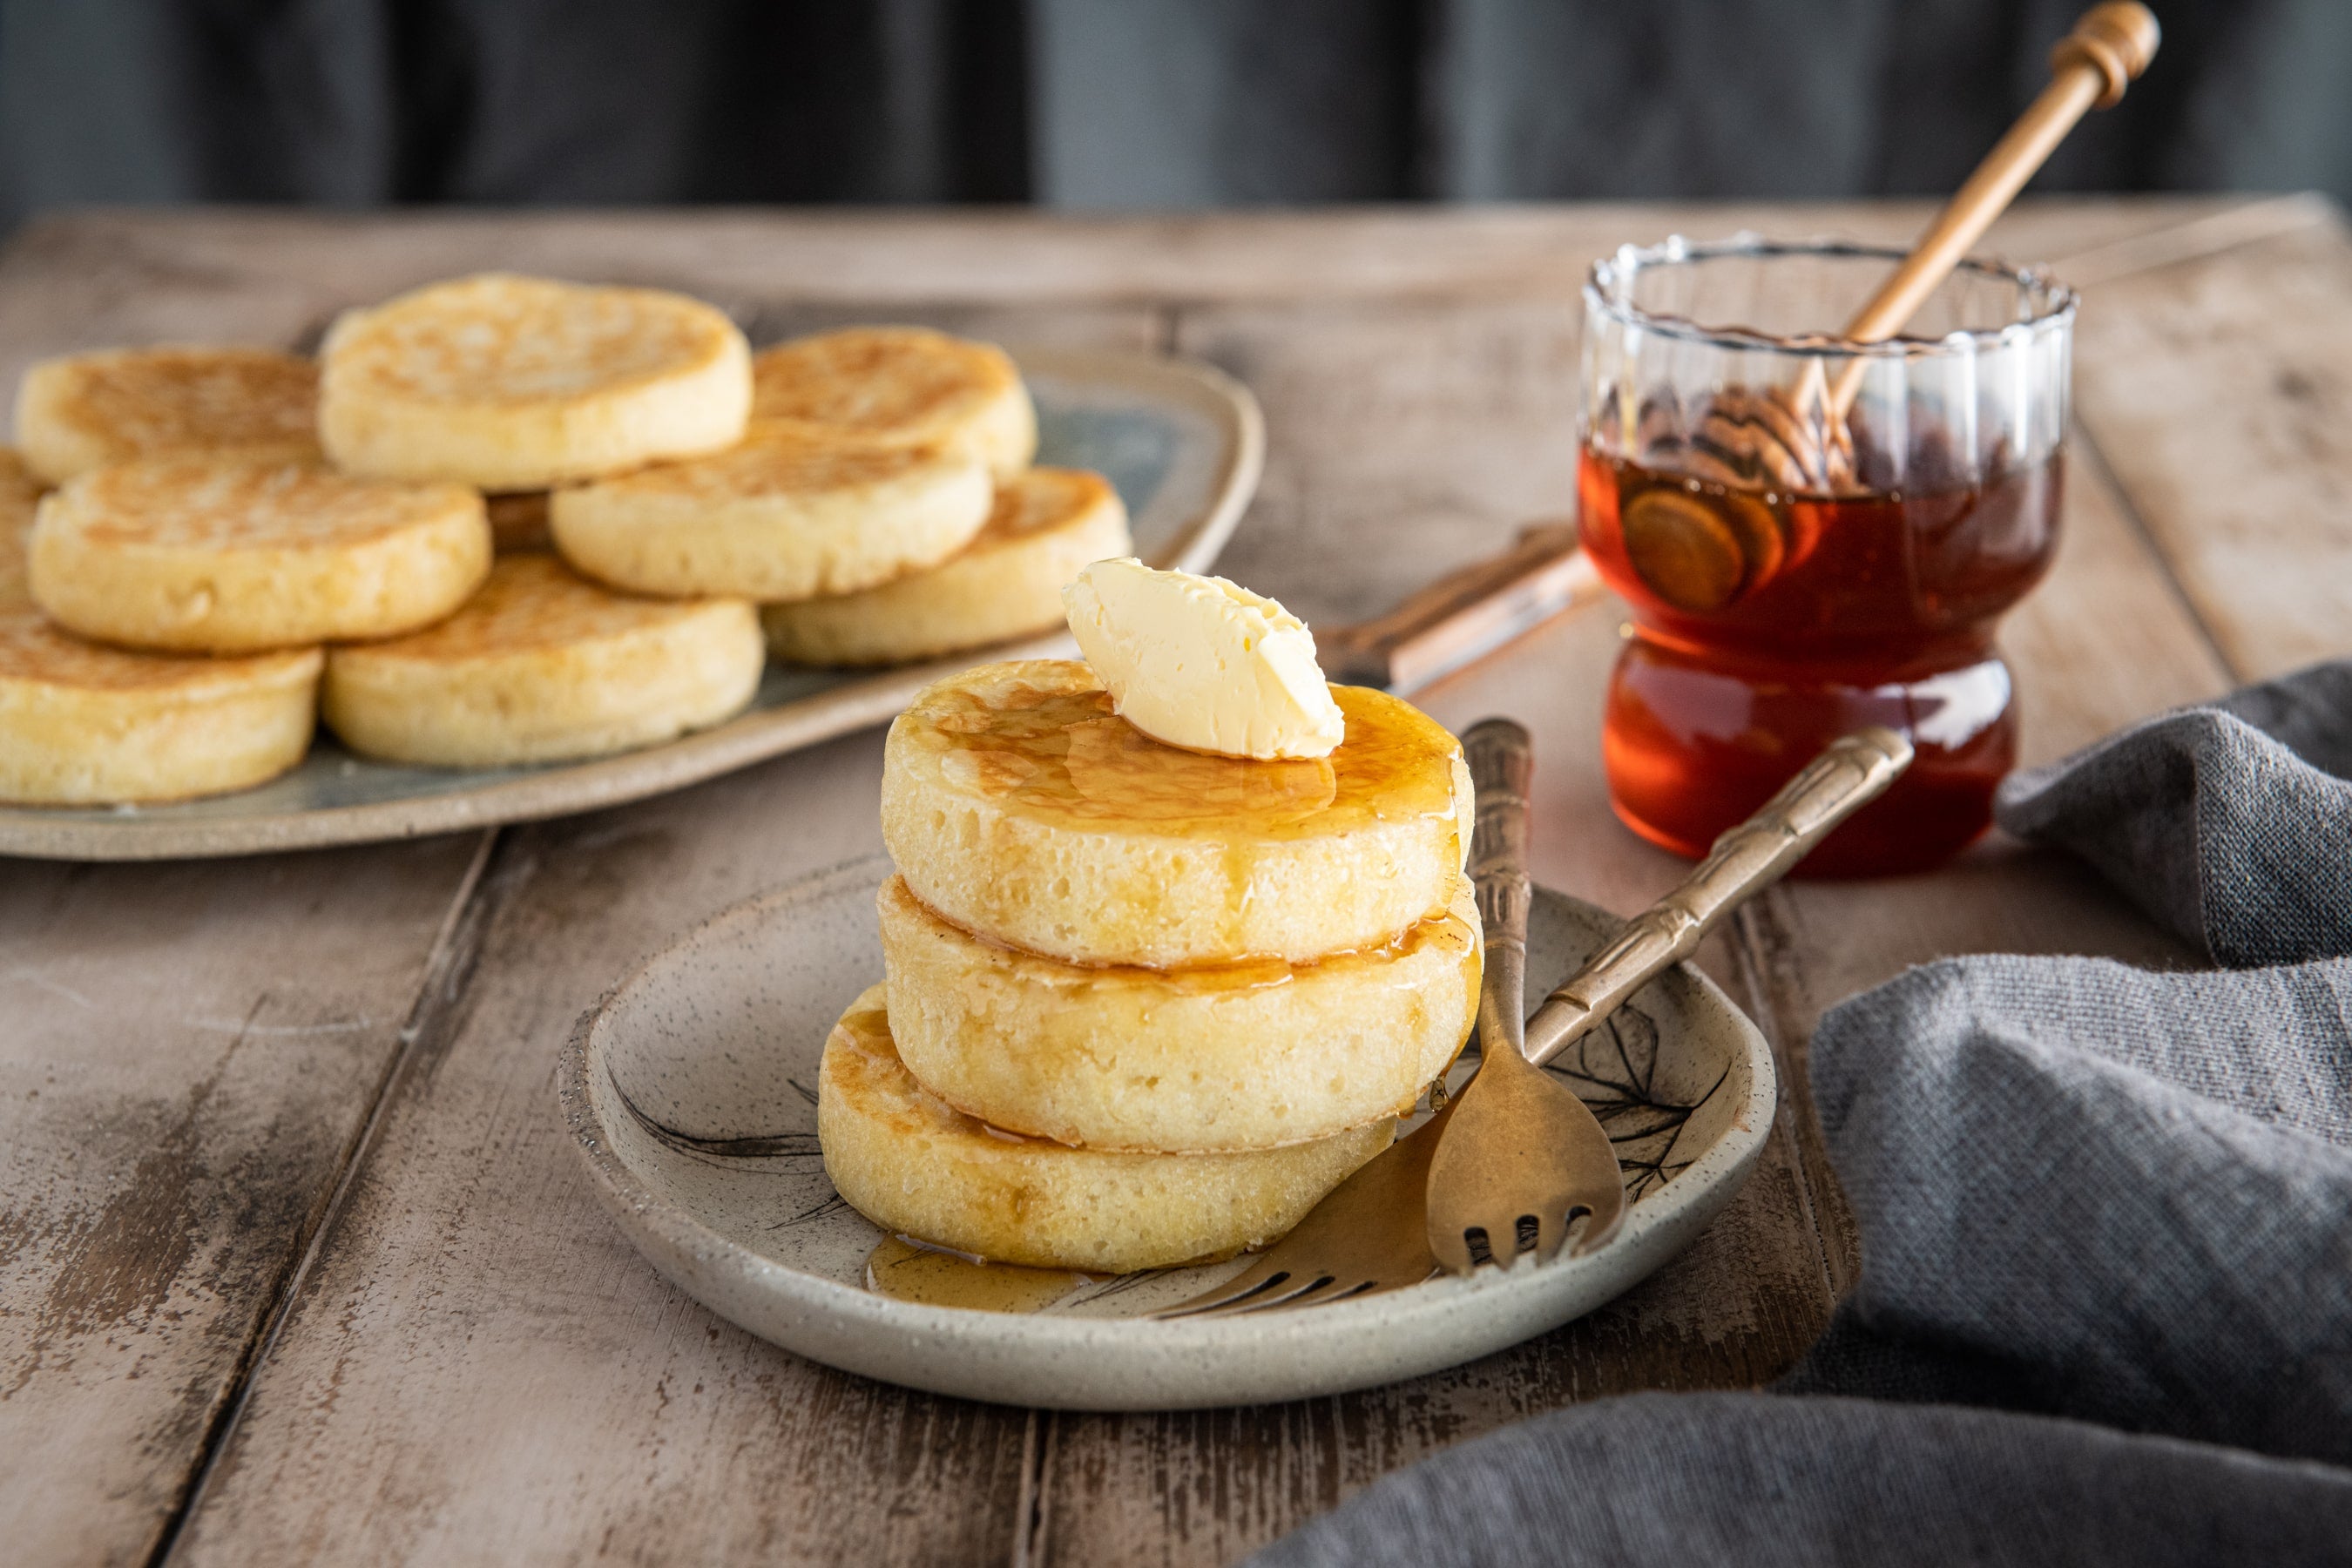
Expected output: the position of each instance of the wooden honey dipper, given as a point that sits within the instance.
(1780, 440)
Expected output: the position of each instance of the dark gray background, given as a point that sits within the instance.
(1124, 103)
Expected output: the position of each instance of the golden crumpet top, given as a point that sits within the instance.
(1048, 746)
(778, 463)
(227, 504)
(35, 650)
(499, 338)
(889, 383)
(530, 602)
(1039, 499)
(83, 411)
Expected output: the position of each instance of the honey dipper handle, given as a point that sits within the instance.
(1852, 771)
(2110, 46)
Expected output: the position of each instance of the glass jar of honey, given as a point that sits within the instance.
(1813, 534)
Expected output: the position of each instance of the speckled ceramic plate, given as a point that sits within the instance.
(1182, 443)
(691, 1091)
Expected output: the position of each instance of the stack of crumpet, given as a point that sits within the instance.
(1176, 934)
(880, 506)
(206, 549)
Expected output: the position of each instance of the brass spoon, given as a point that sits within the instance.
(1515, 1160)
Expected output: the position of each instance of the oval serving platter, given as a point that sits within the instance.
(1182, 442)
(692, 1092)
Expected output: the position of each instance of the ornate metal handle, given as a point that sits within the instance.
(1853, 772)
(1502, 759)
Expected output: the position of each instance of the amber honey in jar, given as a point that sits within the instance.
(1811, 536)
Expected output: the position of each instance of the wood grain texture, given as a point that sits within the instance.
(480, 1368)
(188, 1056)
(89, 279)
(2239, 455)
(476, 1368)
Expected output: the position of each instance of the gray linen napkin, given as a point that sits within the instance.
(2111, 1208)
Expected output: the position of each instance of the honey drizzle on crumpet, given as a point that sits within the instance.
(1065, 756)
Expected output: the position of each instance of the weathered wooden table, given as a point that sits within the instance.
(295, 1263)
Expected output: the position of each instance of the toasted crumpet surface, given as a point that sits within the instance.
(1047, 525)
(781, 516)
(900, 385)
(219, 555)
(542, 665)
(916, 1167)
(513, 383)
(1020, 807)
(84, 411)
(83, 724)
(1252, 1055)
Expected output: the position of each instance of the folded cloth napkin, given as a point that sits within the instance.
(2104, 1312)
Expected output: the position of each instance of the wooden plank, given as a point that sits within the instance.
(2238, 454)
(189, 1053)
(78, 280)
(479, 1367)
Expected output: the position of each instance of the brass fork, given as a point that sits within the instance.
(1351, 1244)
(1372, 1233)
(1514, 1169)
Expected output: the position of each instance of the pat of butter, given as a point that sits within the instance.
(1199, 663)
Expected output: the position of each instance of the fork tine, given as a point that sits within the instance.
(1266, 1272)
(1295, 1293)
(1551, 1233)
(1452, 1251)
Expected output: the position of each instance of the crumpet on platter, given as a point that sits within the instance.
(1019, 806)
(516, 383)
(86, 725)
(84, 411)
(1252, 1055)
(900, 386)
(542, 665)
(780, 516)
(916, 1167)
(1045, 526)
(216, 555)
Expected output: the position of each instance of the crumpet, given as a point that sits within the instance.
(516, 383)
(86, 725)
(900, 386)
(542, 665)
(916, 1167)
(84, 411)
(1227, 1056)
(214, 555)
(780, 516)
(1047, 525)
(1019, 806)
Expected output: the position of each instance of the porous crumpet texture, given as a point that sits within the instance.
(780, 516)
(1018, 806)
(516, 383)
(202, 554)
(915, 1166)
(902, 386)
(1045, 526)
(542, 666)
(84, 411)
(1222, 1057)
